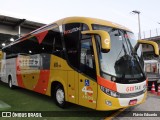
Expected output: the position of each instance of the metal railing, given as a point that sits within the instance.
(149, 33)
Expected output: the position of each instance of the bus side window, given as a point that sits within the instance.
(87, 60)
(52, 43)
(79, 48)
(71, 39)
(57, 42)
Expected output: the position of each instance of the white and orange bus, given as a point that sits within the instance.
(86, 61)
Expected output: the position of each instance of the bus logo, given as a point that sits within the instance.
(72, 30)
(133, 88)
(87, 90)
(106, 41)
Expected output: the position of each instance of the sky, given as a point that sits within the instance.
(118, 11)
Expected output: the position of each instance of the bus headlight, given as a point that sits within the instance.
(110, 92)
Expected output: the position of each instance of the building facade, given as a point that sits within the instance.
(12, 28)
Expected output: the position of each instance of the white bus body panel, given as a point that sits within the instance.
(9, 69)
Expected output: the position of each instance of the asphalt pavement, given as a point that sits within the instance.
(150, 110)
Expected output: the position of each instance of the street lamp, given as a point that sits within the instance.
(3, 44)
(138, 13)
(11, 39)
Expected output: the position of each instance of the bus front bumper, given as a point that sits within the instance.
(106, 102)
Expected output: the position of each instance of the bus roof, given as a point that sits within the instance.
(90, 21)
(86, 20)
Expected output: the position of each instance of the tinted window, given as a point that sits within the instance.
(87, 58)
(44, 42)
(52, 43)
(72, 35)
(71, 38)
(79, 48)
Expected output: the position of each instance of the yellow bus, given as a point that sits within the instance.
(86, 61)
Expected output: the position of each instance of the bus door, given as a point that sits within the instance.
(87, 77)
(81, 56)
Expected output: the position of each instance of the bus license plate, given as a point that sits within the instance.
(133, 102)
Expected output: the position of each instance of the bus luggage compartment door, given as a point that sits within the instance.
(71, 87)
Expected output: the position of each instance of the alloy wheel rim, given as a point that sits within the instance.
(60, 96)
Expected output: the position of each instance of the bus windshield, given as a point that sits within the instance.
(121, 63)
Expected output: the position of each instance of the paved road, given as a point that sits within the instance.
(150, 107)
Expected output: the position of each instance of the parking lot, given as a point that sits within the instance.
(149, 110)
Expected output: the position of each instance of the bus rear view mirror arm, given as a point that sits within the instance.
(105, 38)
(154, 44)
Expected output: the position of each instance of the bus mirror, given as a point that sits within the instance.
(154, 44)
(105, 38)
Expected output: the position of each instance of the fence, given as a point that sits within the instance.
(149, 33)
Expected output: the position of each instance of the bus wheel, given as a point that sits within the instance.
(10, 83)
(59, 96)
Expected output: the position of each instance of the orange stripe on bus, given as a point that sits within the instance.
(18, 73)
(107, 83)
(42, 83)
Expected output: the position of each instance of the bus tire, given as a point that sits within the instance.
(59, 96)
(11, 86)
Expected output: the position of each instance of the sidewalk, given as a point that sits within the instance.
(151, 106)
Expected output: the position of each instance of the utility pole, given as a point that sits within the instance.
(139, 25)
